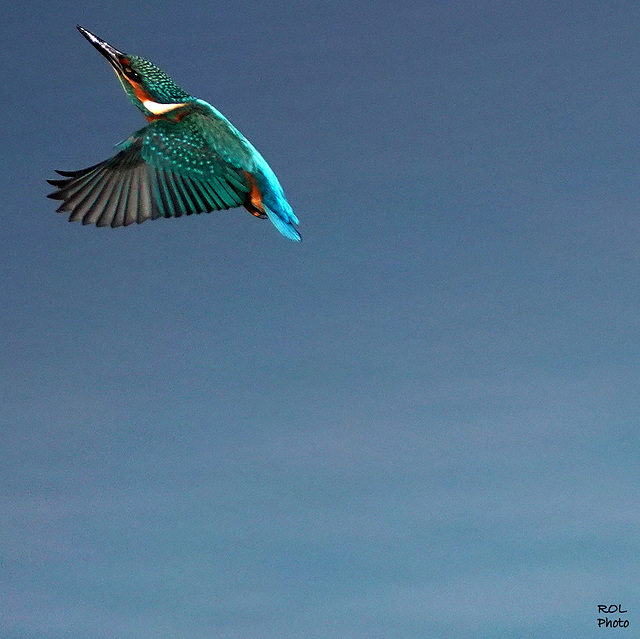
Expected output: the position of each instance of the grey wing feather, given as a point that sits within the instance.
(136, 185)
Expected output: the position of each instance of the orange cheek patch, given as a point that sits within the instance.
(137, 90)
(142, 96)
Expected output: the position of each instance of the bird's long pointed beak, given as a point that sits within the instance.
(110, 53)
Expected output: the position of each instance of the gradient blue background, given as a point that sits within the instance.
(420, 422)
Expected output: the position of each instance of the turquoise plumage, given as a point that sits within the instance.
(188, 159)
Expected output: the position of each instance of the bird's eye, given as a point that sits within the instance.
(131, 74)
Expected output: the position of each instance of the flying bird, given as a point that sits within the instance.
(188, 159)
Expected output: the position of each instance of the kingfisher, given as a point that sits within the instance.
(188, 159)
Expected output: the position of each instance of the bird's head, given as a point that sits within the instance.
(149, 88)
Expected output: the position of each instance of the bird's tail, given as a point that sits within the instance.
(284, 221)
(267, 197)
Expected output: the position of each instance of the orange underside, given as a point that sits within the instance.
(254, 205)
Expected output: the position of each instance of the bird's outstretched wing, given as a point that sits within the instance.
(166, 169)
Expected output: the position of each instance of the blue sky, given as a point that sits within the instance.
(420, 422)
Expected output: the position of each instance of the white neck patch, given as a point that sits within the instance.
(158, 109)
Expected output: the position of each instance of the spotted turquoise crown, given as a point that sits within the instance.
(155, 82)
